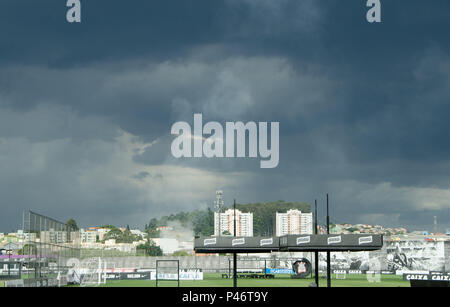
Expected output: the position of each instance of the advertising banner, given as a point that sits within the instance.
(338, 242)
(279, 271)
(237, 244)
(151, 275)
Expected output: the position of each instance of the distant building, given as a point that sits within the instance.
(13, 248)
(26, 236)
(29, 237)
(293, 222)
(53, 236)
(101, 232)
(138, 232)
(164, 228)
(167, 245)
(244, 223)
(93, 234)
(88, 236)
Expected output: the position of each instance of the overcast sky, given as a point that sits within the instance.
(86, 109)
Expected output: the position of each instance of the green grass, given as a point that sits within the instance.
(215, 280)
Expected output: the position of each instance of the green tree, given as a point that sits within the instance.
(28, 249)
(127, 237)
(204, 223)
(153, 224)
(180, 253)
(120, 237)
(72, 224)
(113, 233)
(149, 249)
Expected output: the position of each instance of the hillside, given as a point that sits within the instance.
(202, 221)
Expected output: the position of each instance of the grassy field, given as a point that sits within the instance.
(215, 280)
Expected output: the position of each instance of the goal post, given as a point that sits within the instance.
(167, 270)
(341, 275)
(93, 272)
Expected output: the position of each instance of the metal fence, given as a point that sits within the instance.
(208, 264)
(49, 245)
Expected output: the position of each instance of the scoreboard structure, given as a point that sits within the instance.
(289, 243)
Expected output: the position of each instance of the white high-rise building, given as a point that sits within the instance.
(293, 222)
(88, 236)
(244, 223)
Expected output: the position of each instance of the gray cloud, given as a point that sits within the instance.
(86, 110)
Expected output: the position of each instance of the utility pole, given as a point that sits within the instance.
(328, 253)
(234, 254)
(316, 253)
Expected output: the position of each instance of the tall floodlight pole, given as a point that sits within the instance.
(316, 253)
(435, 225)
(328, 253)
(218, 204)
(234, 254)
(234, 219)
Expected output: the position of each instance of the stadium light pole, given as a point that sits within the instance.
(328, 252)
(316, 253)
(234, 254)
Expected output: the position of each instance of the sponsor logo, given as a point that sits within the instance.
(303, 240)
(135, 276)
(334, 240)
(210, 241)
(266, 242)
(440, 277)
(365, 240)
(339, 271)
(416, 277)
(239, 241)
(355, 272)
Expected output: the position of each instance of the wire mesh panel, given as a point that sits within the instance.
(168, 270)
(48, 246)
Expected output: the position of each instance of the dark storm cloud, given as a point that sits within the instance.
(110, 30)
(363, 108)
(144, 174)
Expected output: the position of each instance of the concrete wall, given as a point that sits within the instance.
(447, 256)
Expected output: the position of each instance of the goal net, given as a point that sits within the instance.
(92, 272)
(341, 275)
(168, 270)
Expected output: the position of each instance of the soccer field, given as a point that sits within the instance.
(215, 280)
